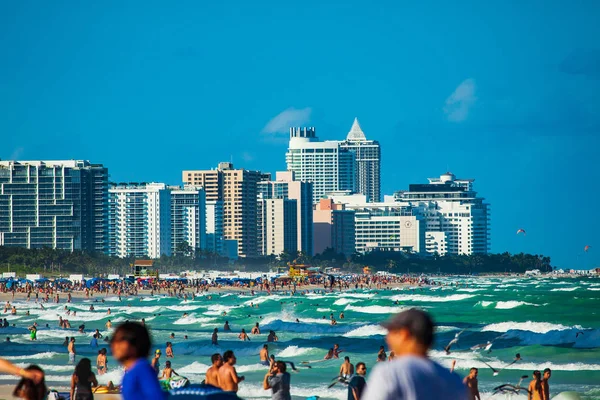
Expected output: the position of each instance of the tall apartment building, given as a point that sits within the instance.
(333, 227)
(327, 165)
(277, 226)
(188, 217)
(367, 154)
(451, 206)
(55, 204)
(285, 186)
(214, 227)
(237, 189)
(140, 220)
(384, 226)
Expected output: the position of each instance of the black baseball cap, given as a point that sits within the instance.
(417, 322)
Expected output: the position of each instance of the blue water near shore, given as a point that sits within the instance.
(536, 317)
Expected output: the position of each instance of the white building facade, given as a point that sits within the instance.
(188, 217)
(451, 206)
(384, 226)
(326, 165)
(139, 220)
(367, 154)
(278, 231)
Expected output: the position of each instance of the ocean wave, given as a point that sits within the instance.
(594, 289)
(324, 309)
(344, 301)
(425, 298)
(365, 331)
(470, 290)
(39, 356)
(192, 319)
(253, 391)
(568, 289)
(537, 327)
(375, 309)
(251, 368)
(195, 368)
(507, 305)
(183, 308)
(294, 351)
(358, 295)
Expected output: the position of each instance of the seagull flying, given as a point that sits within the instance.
(453, 342)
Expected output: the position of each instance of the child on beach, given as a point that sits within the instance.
(131, 346)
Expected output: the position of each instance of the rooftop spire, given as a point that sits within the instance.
(356, 134)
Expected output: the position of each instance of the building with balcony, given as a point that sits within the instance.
(140, 220)
(237, 190)
(188, 217)
(327, 165)
(56, 204)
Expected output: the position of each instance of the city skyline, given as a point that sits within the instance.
(456, 89)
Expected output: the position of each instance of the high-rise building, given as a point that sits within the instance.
(285, 186)
(188, 217)
(327, 165)
(214, 227)
(55, 204)
(367, 154)
(451, 206)
(237, 189)
(140, 220)
(277, 226)
(333, 228)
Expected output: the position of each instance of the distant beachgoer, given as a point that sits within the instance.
(272, 337)
(226, 327)
(255, 330)
(71, 349)
(94, 341)
(169, 350)
(329, 354)
(32, 385)
(412, 374)
(215, 337)
(131, 346)
(391, 356)
(243, 336)
(346, 369)
(545, 385)
(264, 355)
(82, 381)
(101, 364)
(472, 384)
(278, 380)
(168, 372)
(535, 386)
(212, 374)
(108, 324)
(156, 361)
(337, 351)
(172, 335)
(33, 332)
(228, 376)
(357, 383)
(381, 356)
(342, 315)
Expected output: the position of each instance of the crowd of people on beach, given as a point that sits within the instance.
(407, 372)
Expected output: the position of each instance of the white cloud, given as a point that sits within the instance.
(282, 122)
(459, 103)
(246, 156)
(16, 154)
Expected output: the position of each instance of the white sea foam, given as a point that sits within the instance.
(470, 290)
(425, 298)
(294, 351)
(537, 327)
(375, 309)
(38, 356)
(255, 391)
(368, 330)
(324, 309)
(192, 319)
(567, 289)
(183, 308)
(507, 305)
(344, 301)
(194, 368)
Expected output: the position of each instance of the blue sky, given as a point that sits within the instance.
(507, 93)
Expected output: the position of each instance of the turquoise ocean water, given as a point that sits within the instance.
(536, 317)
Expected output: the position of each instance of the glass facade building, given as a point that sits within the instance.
(54, 204)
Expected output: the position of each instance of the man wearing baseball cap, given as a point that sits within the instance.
(412, 375)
